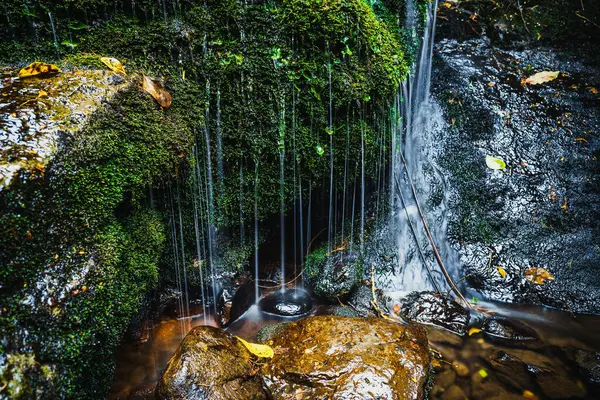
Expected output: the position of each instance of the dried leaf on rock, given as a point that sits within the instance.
(538, 275)
(260, 350)
(542, 77)
(39, 69)
(113, 64)
(162, 97)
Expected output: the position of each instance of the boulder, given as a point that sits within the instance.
(430, 308)
(348, 358)
(210, 364)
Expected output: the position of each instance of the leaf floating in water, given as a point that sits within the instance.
(538, 275)
(501, 271)
(495, 163)
(39, 69)
(114, 65)
(473, 331)
(542, 77)
(259, 350)
(162, 97)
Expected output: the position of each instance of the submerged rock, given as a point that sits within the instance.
(210, 364)
(430, 308)
(348, 358)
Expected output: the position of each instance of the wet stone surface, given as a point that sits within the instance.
(431, 308)
(210, 364)
(347, 358)
(542, 211)
(35, 111)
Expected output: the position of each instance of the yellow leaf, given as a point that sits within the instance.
(538, 275)
(113, 64)
(260, 350)
(594, 90)
(39, 69)
(483, 373)
(542, 77)
(473, 331)
(502, 272)
(162, 97)
(529, 395)
(42, 93)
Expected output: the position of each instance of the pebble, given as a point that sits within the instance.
(460, 368)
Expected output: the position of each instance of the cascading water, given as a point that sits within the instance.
(413, 166)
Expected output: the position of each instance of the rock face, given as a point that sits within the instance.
(347, 358)
(542, 211)
(210, 364)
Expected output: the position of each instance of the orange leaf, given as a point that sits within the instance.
(538, 275)
(501, 271)
(162, 97)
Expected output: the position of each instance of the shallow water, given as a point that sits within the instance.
(546, 357)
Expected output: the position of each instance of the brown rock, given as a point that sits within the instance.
(454, 392)
(460, 368)
(348, 358)
(210, 364)
(445, 379)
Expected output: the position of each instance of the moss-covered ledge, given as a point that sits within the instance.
(80, 246)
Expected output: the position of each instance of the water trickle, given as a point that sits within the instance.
(54, 35)
(282, 187)
(220, 173)
(330, 132)
(256, 276)
(210, 200)
(413, 166)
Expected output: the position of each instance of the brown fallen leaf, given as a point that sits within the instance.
(39, 69)
(538, 275)
(162, 97)
(542, 77)
(593, 90)
(114, 64)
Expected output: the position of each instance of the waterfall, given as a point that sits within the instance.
(417, 119)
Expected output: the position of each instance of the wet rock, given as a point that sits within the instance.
(333, 276)
(454, 393)
(509, 329)
(344, 358)
(445, 379)
(460, 368)
(588, 363)
(543, 212)
(36, 113)
(430, 308)
(361, 300)
(210, 364)
(516, 367)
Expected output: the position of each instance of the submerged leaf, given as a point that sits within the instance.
(259, 350)
(538, 275)
(113, 64)
(542, 77)
(39, 69)
(162, 97)
(494, 163)
(483, 373)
